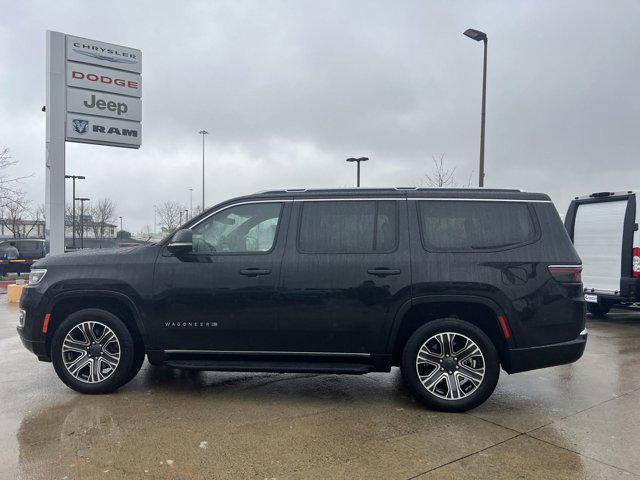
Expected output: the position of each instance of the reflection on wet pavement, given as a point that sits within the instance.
(574, 421)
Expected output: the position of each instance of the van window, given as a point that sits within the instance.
(348, 227)
(472, 226)
(240, 229)
(28, 247)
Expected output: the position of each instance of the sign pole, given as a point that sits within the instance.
(55, 141)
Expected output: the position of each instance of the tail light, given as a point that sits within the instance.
(636, 262)
(567, 273)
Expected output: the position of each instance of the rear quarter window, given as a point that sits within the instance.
(470, 226)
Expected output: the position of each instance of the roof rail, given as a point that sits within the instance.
(400, 189)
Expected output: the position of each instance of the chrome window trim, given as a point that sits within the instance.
(356, 199)
(508, 200)
(350, 199)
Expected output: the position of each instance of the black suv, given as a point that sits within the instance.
(450, 285)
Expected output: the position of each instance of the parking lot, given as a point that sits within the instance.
(574, 421)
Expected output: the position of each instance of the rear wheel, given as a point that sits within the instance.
(93, 352)
(598, 309)
(450, 365)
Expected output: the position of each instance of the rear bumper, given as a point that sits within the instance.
(523, 359)
(629, 291)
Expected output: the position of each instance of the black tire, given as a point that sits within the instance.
(138, 360)
(115, 378)
(598, 309)
(476, 393)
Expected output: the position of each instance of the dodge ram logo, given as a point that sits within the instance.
(80, 126)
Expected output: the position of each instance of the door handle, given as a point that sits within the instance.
(383, 272)
(254, 272)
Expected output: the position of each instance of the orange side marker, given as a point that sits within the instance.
(45, 325)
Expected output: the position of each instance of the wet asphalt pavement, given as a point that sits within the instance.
(574, 421)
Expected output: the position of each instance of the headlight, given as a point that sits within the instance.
(36, 275)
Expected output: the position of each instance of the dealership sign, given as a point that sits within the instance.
(84, 50)
(104, 104)
(105, 131)
(94, 95)
(91, 77)
(103, 93)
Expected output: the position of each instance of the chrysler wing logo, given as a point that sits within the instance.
(80, 126)
(104, 57)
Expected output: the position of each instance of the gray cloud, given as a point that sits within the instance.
(289, 89)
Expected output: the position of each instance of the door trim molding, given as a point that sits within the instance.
(269, 352)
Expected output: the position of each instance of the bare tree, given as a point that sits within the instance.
(9, 190)
(443, 176)
(169, 215)
(68, 214)
(102, 213)
(41, 212)
(17, 215)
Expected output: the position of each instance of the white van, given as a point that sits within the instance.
(604, 231)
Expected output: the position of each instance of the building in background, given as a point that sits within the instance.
(92, 229)
(35, 228)
(18, 228)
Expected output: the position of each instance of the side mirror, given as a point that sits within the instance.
(182, 242)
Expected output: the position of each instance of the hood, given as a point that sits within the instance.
(95, 256)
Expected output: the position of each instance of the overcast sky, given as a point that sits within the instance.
(289, 89)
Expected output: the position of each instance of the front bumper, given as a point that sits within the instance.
(37, 347)
(30, 323)
(523, 359)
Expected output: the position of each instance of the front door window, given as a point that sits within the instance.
(247, 228)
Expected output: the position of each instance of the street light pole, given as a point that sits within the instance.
(358, 160)
(82, 200)
(73, 207)
(203, 133)
(191, 203)
(481, 36)
(121, 235)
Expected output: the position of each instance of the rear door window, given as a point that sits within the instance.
(365, 226)
(30, 248)
(27, 247)
(475, 226)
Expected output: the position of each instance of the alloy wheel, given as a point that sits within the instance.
(450, 366)
(91, 352)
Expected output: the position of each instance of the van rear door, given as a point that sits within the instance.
(602, 230)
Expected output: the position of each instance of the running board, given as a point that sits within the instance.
(266, 366)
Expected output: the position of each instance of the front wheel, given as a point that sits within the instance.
(450, 365)
(93, 352)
